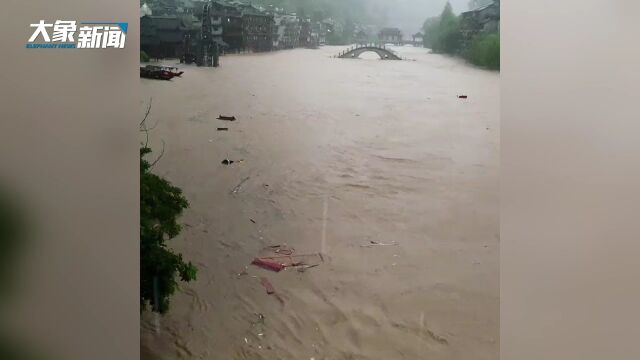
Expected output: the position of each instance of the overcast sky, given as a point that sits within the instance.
(408, 15)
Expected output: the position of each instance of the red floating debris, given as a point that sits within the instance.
(267, 264)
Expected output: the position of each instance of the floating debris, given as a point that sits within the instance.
(237, 188)
(267, 285)
(281, 249)
(304, 268)
(282, 258)
(223, 129)
(375, 243)
(268, 264)
(244, 272)
(270, 289)
(462, 96)
(227, 118)
(253, 221)
(259, 321)
(229, 161)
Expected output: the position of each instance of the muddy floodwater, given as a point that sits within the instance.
(338, 157)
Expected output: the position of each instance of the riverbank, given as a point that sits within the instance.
(338, 153)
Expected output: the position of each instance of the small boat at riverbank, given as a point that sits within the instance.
(172, 70)
(155, 72)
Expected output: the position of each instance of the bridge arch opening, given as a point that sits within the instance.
(382, 53)
(370, 55)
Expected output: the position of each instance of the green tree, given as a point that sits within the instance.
(430, 31)
(15, 231)
(449, 36)
(348, 31)
(442, 34)
(318, 15)
(447, 13)
(161, 203)
(485, 51)
(144, 57)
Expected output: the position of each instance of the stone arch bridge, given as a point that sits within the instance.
(355, 51)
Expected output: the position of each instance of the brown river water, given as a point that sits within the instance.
(335, 154)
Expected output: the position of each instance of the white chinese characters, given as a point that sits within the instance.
(89, 36)
(41, 29)
(63, 31)
(100, 37)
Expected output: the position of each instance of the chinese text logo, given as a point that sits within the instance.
(90, 35)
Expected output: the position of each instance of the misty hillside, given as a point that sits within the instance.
(408, 15)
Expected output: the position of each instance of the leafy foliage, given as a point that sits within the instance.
(342, 35)
(335, 38)
(485, 51)
(160, 205)
(14, 348)
(15, 232)
(13, 236)
(144, 57)
(442, 34)
(430, 29)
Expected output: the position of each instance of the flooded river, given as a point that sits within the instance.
(333, 154)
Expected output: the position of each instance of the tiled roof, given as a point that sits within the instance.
(390, 31)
